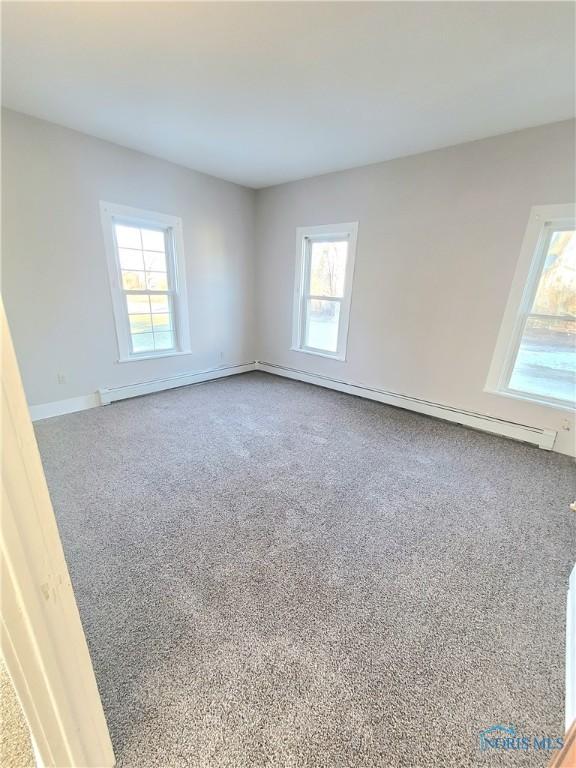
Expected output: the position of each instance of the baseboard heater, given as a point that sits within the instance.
(543, 438)
(108, 396)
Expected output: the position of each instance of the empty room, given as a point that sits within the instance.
(289, 383)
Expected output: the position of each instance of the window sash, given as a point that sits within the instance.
(306, 321)
(308, 243)
(544, 222)
(525, 313)
(307, 296)
(306, 238)
(176, 295)
(542, 316)
(170, 292)
(173, 320)
(169, 252)
(529, 394)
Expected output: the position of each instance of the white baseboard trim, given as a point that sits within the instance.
(543, 438)
(108, 396)
(571, 652)
(60, 407)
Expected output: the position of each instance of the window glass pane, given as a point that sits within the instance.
(128, 237)
(164, 340)
(159, 304)
(130, 259)
(133, 281)
(137, 305)
(546, 361)
(140, 323)
(322, 325)
(155, 262)
(162, 322)
(142, 342)
(328, 268)
(156, 281)
(556, 294)
(146, 260)
(153, 240)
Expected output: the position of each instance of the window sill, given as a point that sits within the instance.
(528, 398)
(341, 358)
(159, 356)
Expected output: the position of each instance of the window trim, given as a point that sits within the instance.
(543, 218)
(112, 213)
(304, 237)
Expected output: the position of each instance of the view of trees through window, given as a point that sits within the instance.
(546, 361)
(326, 289)
(145, 283)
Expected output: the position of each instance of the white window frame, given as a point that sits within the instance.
(111, 214)
(543, 219)
(305, 236)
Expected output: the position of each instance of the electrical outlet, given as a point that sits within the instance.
(61, 378)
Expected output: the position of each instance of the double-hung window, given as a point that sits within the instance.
(146, 270)
(323, 289)
(535, 357)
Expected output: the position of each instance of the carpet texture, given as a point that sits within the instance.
(274, 574)
(15, 745)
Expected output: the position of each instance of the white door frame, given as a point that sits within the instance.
(42, 639)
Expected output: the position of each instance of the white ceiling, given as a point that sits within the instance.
(262, 93)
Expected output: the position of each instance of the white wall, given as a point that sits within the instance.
(439, 236)
(55, 281)
(438, 239)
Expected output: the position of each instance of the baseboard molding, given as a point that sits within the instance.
(108, 396)
(543, 438)
(60, 407)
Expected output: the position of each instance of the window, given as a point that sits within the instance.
(146, 270)
(536, 354)
(323, 289)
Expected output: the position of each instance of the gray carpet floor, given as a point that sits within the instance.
(274, 574)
